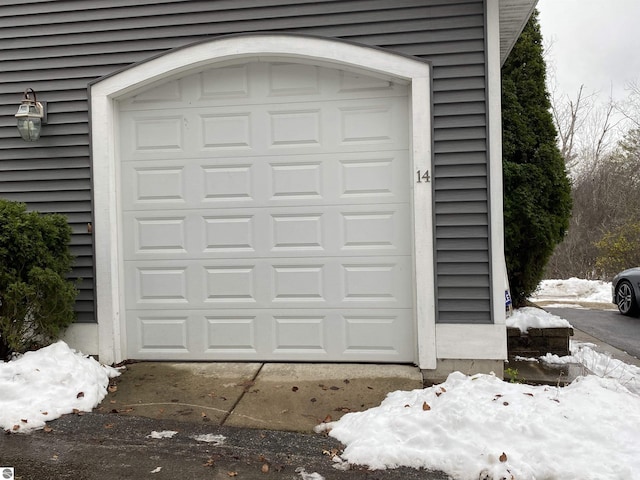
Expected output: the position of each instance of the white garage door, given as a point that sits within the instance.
(266, 216)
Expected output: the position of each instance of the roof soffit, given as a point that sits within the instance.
(514, 15)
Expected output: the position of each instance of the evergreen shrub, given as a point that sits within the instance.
(36, 298)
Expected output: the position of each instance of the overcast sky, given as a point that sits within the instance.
(592, 42)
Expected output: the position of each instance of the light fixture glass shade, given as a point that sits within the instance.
(29, 128)
(29, 116)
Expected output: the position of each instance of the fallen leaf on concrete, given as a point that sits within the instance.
(313, 400)
(334, 388)
(232, 474)
(209, 463)
(108, 425)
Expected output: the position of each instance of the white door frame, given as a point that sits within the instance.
(105, 93)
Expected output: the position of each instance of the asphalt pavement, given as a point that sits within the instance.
(97, 446)
(606, 325)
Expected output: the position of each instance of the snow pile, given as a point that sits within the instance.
(600, 364)
(482, 427)
(531, 317)
(43, 385)
(573, 289)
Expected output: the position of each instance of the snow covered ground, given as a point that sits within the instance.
(43, 385)
(472, 427)
(572, 292)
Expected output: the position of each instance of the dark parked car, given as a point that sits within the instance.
(625, 288)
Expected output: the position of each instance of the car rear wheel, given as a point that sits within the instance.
(626, 299)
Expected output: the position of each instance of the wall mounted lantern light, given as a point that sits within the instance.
(31, 116)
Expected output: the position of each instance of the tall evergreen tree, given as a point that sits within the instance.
(537, 191)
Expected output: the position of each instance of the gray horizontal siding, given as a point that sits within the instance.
(58, 47)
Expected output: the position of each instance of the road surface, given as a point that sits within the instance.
(607, 325)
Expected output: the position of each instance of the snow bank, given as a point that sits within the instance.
(481, 427)
(600, 364)
(575, 289)
(531, 317)
(43, 385)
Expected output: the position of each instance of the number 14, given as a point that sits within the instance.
(423, 176)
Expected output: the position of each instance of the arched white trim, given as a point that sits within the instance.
(176, 63)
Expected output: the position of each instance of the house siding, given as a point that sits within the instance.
(59, 47)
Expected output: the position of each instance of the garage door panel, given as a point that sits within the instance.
(300, 334)
(230, 284)
(162, 186)
(294, 128)
(349, 282)
(225, 183)
(364, 331)
(365, 178)
(267, 216)
(156, 334)
(279, 334)
(156, 284)
(296, 181)
(159, 133)
(351, 230)
(231, 333)
(160, 235)
(379, 281)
